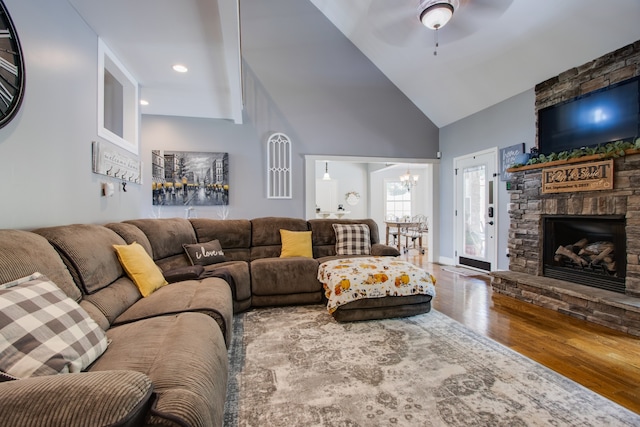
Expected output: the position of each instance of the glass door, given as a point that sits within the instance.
(475, 212)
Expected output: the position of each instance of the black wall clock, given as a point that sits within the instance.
(11, 68)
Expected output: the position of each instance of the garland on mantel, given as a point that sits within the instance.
(610, 150)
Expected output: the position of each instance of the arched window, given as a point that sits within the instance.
(279, 166)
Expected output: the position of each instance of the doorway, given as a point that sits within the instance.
(475, 209)
(372, 194)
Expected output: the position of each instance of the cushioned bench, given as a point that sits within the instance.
(375, 288)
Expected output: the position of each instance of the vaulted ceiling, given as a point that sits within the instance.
(490, 51)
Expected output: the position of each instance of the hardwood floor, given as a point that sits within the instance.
(599, 358)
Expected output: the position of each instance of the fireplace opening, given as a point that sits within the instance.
(589, 250)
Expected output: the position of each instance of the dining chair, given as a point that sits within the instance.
(419, 227)
(393, 232)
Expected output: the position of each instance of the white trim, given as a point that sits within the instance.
(279, 164)
(446, 260)
(496, 203)
(432, 194)
(108, 61)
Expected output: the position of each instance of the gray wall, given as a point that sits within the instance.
(304, 75)
(504, 124)
(247, 195)
(45, 152)
(304, 78)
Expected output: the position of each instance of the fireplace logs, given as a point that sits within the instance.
(588, 255)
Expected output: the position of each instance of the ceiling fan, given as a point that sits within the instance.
(418, 22)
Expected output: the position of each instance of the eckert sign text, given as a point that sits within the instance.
(585, 177)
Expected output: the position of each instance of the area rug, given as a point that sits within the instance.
(296, 366)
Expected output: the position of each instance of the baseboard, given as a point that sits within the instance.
(446, 261)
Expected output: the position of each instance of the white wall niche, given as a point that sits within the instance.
(117, 101)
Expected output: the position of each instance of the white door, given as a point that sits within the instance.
(475, 210)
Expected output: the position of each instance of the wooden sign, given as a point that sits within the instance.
(583, 177)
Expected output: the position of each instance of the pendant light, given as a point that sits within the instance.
(326, 176)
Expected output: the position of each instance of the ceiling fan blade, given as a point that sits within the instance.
(394, 22)
(472, 16)
(487, 9)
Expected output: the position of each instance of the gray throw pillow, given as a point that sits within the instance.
(205, 253)
(352, 239)
(45, 332)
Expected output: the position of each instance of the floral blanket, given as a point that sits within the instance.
(351, 279)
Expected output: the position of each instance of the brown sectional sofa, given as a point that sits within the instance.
(166, 362)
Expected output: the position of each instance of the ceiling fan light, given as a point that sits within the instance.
(437, 15)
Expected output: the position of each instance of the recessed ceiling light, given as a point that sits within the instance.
(180, 68)
(144, 102)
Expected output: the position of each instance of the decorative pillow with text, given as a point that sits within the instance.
(205, 253)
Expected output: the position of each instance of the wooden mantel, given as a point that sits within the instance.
(569, 161)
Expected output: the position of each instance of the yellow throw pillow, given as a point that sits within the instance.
(140, 268)
(296, 243)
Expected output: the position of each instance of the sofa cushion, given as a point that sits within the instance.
(295, 244)
(210, 296)
(240, 270)
(123, 398)
(23, 253)
(324, 236)
(265, 235)
(87, 251)
(234, 235)
(166, 235)
(44, 331)
(205, 253)
(190, 272)
(352, 239)
(186, 359)
(140, 268)
(283, 276)
(130, 233)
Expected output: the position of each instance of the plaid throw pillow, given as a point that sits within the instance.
(352, 239)
(44, 332)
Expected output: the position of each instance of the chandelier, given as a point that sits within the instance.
(409, 181)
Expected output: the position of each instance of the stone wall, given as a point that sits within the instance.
(528, 206)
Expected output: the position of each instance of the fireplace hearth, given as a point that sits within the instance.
(589, 250)
(587, 209)
(577, 252)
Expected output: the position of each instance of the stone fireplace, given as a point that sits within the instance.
(547, 234)
(585, 249)
(590, 291)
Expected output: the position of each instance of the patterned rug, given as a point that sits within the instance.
(296, 366)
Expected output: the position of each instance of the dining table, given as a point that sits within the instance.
(402, 227)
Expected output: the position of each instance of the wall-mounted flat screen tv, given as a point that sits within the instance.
(599, 117)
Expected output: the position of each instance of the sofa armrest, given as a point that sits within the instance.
(105, 398)
(379, 249)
